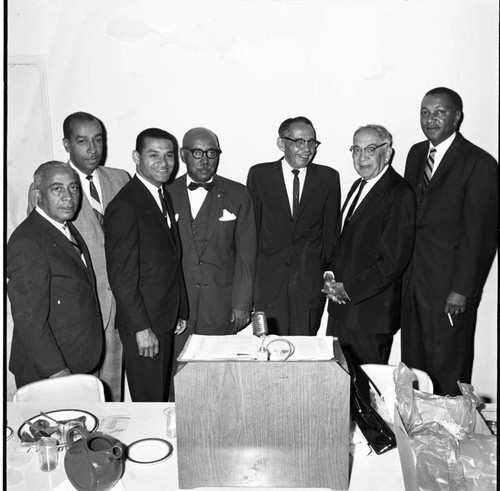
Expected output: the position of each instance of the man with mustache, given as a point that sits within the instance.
(143, 253)
(456, 231)
(296, 209)
(52, 289)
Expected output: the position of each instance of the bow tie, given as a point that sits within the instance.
(207, 186)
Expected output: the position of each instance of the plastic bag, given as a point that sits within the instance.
(449, 455)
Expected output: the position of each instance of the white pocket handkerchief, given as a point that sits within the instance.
(176, 217)
(227, 216)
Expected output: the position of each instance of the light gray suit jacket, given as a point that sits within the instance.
(111, 180)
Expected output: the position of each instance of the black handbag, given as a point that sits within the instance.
(378, 434)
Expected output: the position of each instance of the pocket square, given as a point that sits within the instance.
(176, 216)
(227, 216)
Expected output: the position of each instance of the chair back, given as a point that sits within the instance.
(68, 389)
(382, 377)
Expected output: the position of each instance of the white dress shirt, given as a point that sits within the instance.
(196, 196)
(154, 192)
(86, 186)
(441, 149)
(288, 175)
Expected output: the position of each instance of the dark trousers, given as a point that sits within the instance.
(430, 343)
(362, 347)
(148, 378)
(289, 313)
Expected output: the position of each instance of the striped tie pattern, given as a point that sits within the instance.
(95, 201)
(429, 165)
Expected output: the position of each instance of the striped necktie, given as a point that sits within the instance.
(94, 200)
(429, 165)
(354, 202)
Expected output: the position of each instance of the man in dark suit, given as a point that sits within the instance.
(219, 244)
(57, 323)
(457, 204)
(296, 208)
(143, 254)
(378, 232)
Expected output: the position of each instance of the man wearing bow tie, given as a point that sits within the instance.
(456, 184)
(219, 246)
(52, 287)
(377, 232)
(143, 254)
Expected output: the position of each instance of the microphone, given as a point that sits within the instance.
(259, 324)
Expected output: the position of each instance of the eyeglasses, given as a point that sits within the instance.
(369, 151)
(300, 142)
(197, 153)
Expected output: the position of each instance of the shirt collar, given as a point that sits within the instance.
(444, 145)
(288, 168)
(153, 189)
(82, 175)
(60, 226)
(372, 181)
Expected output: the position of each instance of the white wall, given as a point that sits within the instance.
(241, 67)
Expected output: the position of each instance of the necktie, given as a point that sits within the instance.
(164, 205)
(296, 188)
(354, 203)
(70, 237)
(94, 199)
(429, 165)
(207, 186)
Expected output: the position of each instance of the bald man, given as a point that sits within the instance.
(218, 235)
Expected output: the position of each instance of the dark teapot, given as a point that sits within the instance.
(94, 462)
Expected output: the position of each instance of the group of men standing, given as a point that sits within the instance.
(197, 255)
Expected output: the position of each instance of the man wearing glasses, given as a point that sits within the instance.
(219, 244)
(377, 232)
(296, 208)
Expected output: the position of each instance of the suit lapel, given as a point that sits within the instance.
(215, 202)
(307, 191)
(446, 162)
(105, 184)
(278, 186)
(370, 198)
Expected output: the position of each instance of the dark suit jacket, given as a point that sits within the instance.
(143, 261)
(373, 251)
(57, 323)
(456, 223)
(288, 251)
(221, 276)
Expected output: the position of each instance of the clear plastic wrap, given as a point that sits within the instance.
(450, 455)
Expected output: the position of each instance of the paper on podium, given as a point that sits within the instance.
(233, 347)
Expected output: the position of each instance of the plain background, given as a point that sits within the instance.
(240, 67)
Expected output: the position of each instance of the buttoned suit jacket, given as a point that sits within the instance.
(371, 255)
(57, 323)
(293, 253)
(456, 223)
(143, 261)
(221, 276)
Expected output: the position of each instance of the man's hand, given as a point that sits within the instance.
(63, 373)
(337, 293)
(241, 318)
(181, 326)
(147, 343)
(455, 304)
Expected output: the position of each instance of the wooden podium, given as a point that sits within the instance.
(263, 423)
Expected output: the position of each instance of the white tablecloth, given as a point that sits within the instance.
(371, 472)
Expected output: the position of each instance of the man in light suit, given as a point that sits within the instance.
(219, 244)
(296, 207)
(57, 323)
(143, 254)
(375, 246)
(84, 141)
(457, 204)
